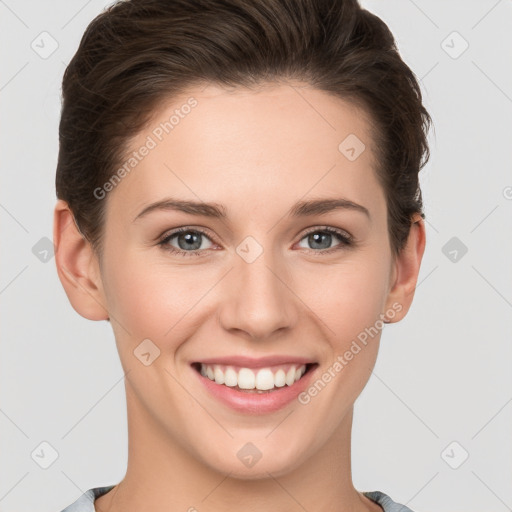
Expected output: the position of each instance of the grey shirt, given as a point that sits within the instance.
(86, 502)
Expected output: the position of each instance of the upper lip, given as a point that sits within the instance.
(256, 362)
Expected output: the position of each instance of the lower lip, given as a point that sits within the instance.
(253, 402)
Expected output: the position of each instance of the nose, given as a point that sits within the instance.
(258, 300)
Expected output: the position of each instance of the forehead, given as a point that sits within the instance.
(237, 145)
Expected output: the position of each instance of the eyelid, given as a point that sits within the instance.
(329, 229)
(169, 234)
(184, 229)
(346, 239)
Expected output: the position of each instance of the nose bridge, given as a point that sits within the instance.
(259, 302)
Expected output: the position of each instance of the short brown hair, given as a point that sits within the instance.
(138, 53)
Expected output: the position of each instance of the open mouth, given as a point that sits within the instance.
(254, 380)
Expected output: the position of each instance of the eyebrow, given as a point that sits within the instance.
(218, 211)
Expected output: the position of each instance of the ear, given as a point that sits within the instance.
(77, 266)
(405, 272)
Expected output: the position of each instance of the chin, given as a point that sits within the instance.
(247, 462)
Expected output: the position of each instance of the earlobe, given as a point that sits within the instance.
(77, 266)
(406, 270)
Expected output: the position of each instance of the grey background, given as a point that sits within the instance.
(443, 373)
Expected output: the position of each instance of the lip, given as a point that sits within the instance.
(252, 402)
(256, 362)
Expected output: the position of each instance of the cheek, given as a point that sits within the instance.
(152, 298)
(149, 299)
(347, 297)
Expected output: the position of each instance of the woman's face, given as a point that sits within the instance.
(254, 284)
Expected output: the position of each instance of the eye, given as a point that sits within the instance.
(189, 241)
(322, 239)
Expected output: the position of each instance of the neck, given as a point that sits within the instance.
(162, 476)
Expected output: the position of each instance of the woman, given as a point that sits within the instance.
(238, 195)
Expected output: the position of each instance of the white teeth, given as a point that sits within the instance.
(246, 379)
(219, 375)
(280, 379)
(263, 379)
(290, 376)
(230, 377)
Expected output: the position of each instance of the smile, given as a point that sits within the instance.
(255, 385)
(253, 380)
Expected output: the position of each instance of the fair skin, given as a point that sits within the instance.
(257, 153)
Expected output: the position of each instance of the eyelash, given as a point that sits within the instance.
(345, 239)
